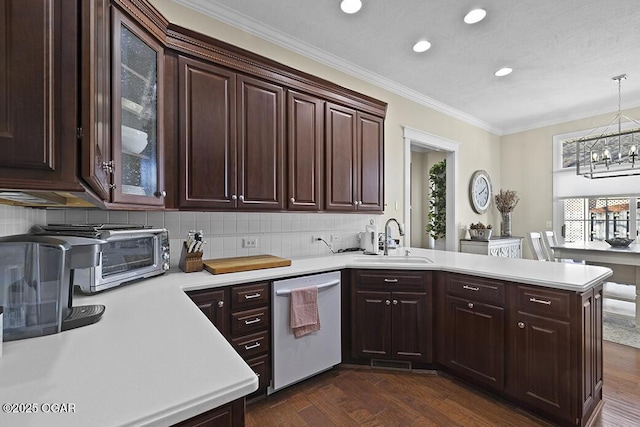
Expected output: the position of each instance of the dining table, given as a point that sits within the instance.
(623, 261)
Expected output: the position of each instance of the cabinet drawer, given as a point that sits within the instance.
(391, 278)
(252, 345)
(476, 289)
(262, 367)
(545, 302)
(248, 296)
(244, 322)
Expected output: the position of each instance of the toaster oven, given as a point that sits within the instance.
(129, 253)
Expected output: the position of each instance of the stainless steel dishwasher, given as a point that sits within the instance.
(295, 359)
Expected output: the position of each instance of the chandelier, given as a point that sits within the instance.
(610, 153)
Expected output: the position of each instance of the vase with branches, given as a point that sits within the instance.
(437, 217)
(506, 201)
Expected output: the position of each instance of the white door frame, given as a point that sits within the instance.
(436, 143)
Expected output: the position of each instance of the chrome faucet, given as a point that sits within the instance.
(386, 233)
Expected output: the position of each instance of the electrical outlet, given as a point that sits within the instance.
(249, 242)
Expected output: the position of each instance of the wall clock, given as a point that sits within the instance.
(480, 191)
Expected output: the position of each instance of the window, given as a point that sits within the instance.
(592, 219)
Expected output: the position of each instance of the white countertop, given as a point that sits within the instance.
(155, 359)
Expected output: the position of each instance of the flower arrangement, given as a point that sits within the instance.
(506, 200)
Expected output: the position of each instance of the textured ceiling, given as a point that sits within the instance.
(563, 52)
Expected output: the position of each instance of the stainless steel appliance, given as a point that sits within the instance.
(129, 253)
(36, 276)
(295, 359)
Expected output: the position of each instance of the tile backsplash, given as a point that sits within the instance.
(18, 220)
(287, 235)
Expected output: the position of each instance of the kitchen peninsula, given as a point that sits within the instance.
(155, 359)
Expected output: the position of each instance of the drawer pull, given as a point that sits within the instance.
(251, 322)
(252, 346)
(540, 301)
(521, 325)
(387, 302)
(252, 296)
(391, 280)
(470, 305)
(471, 288)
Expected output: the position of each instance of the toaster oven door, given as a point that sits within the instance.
(131, 254)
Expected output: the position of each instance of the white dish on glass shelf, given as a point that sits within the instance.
(133, 189)
(129, 105)
(134, 140)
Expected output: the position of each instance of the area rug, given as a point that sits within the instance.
(620, 329)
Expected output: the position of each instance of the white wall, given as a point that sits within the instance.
(527, 167)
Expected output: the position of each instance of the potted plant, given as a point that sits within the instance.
(437, 217)
(506, 201)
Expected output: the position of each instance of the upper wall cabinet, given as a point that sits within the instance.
(38, 95)
(354, 160)
(122, 83)
(231, 139)
(305, 143)
(207, 142)
(260, 144)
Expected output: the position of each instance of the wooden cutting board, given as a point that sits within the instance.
(244, 263)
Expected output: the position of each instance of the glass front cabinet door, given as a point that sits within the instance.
(137, 143)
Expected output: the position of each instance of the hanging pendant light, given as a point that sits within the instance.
(609, 153)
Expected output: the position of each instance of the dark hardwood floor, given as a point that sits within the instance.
(359, 396)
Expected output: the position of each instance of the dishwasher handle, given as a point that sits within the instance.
(320, 286)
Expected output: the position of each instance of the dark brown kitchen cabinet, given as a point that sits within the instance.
(38, 95)
(474, 328)
(260, 144)
(121, 123)
(229, 415)
(208, 147)
(231, 139)
(215, 305)
(543, 364)
(537, 346)
(354, 160)
(475, 335)
(370, 169)
(305, 144)
(390, 315)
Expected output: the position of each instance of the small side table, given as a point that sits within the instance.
(507, 247)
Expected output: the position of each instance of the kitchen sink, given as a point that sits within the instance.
(392, 261)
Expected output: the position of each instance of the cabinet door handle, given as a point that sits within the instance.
(251, 322)
(293, 200)
(521, 325)
(387, 302)
(470, 305)
(241, 198)
(160, 194)
(540, 301)
(471, 288)
(220, 304)
(113, 186)
(395, 302)
(391, 280)
(252, 346)
(252, 296)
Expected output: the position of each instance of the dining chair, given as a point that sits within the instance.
(534, 238)
(548, 241)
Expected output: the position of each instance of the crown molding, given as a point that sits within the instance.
(226, 15)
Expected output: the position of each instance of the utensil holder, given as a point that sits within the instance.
(190, 262)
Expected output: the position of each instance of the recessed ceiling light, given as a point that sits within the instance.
(350, 6)
(422, 46)
(476, 15)
(503, 72)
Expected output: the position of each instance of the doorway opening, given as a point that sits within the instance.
(428, 147)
